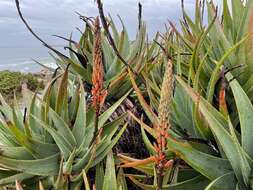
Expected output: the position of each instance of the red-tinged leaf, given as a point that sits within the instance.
(137, 162)
(222, 103)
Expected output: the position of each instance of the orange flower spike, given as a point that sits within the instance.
(98, 94)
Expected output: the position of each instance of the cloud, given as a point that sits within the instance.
(6, 3)
(49, 17)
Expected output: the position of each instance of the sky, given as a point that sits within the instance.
(48, 17)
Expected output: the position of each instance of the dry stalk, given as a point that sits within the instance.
(35, 35)
(108, 34)
(140, 15)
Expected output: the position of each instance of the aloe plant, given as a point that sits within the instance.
(203, 53)
(235, 159)
(176, 174)
(137, 52)
(195, 61)
(52, 142)
(220, 46)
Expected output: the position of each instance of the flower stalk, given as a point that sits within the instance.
(98, 92)
(164, 125)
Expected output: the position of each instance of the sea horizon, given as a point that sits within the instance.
(22, 59)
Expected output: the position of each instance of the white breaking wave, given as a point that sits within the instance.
(27, 65)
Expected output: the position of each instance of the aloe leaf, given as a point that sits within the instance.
(116, 66)
(43, 149)
(217, 35)
(22, 139)
(101, 156)
(60, 181)
(228, 144)
(18, 118)
(83, 161)
(99, 176)
(203, 62)
(61, 142)
(44, 167)
(245, 22)
(203, 104)
(201, 39)
(13, 178)
(33, 110)
(110, 128)
(182, 111)
(227, 17)
(107, 114)
(80, 123)
(61, 106)
(201, 124)
(6, 137)
(86, 139)
(243, 161)
(114, 30)
(62, 127)
(121, 181)
(197, 183)
(245, 112)
(208, 165)
(75, 67)
(147, 142)
(108, 52)
(48, 98)
(74, 99)
(67, 167)
(215, 74)
(226, 182)
(110, 180)
(15, 152)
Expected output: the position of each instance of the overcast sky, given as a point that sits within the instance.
(49, 17)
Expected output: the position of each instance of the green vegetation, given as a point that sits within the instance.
(189, 92)
(11, 82)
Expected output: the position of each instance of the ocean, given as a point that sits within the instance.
(21, 58)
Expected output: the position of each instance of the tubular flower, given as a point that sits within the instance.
(98, 93)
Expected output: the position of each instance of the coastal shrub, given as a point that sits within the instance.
(11, 82)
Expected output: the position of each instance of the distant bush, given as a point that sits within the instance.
(11, 82)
